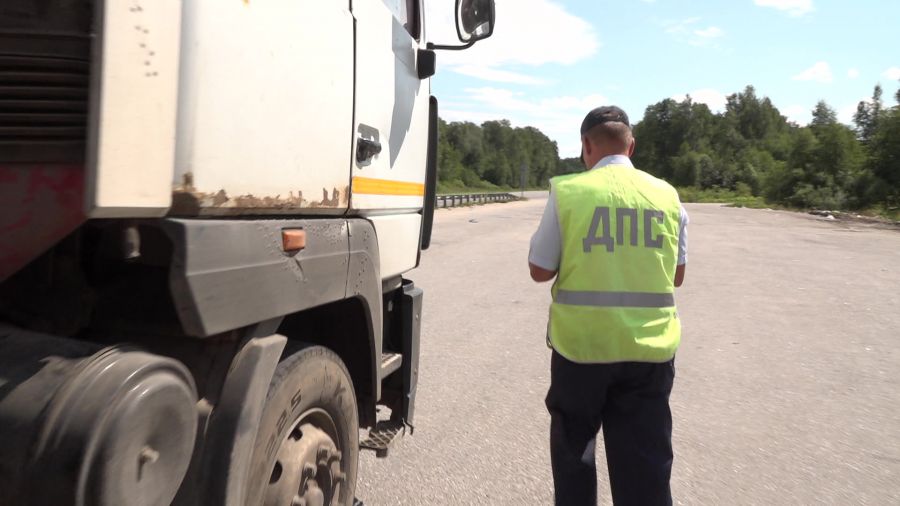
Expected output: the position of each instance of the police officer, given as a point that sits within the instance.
(614, 238)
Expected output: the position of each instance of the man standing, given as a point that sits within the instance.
(615, 239)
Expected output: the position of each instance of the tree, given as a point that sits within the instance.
(666, 128)
(823, 115)
(877, 105)
(449, 160)
(570, 165)
(660, 135)
(825, 160)
(885, 157)
(863, 121)
(749, 148)
(541, 155)
(867, 115)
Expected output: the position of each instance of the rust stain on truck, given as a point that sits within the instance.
(42, 204)
(187, 200)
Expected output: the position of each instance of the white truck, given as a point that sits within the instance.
(208, 207)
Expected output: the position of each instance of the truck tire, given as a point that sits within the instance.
(307, 447)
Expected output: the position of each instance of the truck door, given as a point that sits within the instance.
(391, 107)
(265, 107)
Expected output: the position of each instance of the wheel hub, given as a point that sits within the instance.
(307, 469)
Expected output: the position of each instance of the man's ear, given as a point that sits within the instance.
(631, 147)
(586, 149)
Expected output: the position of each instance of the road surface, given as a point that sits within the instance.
(788, 377)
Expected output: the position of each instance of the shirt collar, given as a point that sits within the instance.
(613, 160)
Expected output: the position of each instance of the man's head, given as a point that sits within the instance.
(605, 131)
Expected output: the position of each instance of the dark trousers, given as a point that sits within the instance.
(630, 402)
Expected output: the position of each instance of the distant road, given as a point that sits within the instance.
(542, 194)
(788, 382)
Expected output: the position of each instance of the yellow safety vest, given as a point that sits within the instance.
(613, 300)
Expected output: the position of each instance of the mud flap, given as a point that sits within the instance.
(411, 324)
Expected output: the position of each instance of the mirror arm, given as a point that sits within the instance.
(432, 47)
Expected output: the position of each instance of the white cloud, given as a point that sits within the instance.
(710, 33)
(477, 117)
(798, 114)
(685, 30)
(845, 114)
(553, 107)
(557, 117)
(514, 55)
(496, 75)
(853, 73)
(802, 115)
(820, 73)
(520, 38)
(892, 73)
(679, 27)
(794, 8)
(714, 99)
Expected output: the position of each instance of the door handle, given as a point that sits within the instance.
(366, 149)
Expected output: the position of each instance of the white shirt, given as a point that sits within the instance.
(546, 243)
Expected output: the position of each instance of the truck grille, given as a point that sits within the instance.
(43, 98)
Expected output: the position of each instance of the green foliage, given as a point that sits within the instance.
(492, 156)
(752, 147)
(749, 154)
(457, 186)
(817, 197)
(755, 119)
(570, 165)
(823, 115)
(736, 198)
(885, 160)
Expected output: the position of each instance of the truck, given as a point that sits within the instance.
(208, 211)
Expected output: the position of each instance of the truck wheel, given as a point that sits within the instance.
(307, 446)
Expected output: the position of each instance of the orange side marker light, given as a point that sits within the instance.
(293, 240)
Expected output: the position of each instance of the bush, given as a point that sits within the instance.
(742, 198)
(743, 190)
(824, 198)
(778, 184)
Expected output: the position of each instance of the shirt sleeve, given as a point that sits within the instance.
(546, 243)
(682, 237)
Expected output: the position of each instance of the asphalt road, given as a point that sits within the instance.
(788, 377)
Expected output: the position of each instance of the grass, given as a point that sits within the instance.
(745, 199)
(891, 214)
(720, 196)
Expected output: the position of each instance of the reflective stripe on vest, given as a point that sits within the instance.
(613, 300)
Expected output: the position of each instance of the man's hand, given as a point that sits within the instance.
(540, 274)
(679, 274)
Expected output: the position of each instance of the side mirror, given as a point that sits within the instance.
(474, 20)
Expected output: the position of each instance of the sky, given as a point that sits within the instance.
(551, 61)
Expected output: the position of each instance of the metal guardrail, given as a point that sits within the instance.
(442, 201)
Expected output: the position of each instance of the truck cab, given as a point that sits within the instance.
(210, 210)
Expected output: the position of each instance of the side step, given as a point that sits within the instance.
(382, 436)
(390, 362)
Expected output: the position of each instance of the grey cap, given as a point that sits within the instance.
(605, 114)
